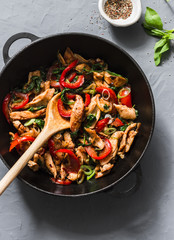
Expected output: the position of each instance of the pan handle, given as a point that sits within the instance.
(124, 193)
(14, 38)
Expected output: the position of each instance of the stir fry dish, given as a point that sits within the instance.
(98, 104)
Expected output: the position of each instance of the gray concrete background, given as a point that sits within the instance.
(148, 214)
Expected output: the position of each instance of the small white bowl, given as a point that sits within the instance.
(133, 18)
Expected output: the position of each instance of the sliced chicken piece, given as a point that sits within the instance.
(99, 80)
(37, 158)
(61, 59)
(33, 165)
(126, 112)
(32, 132)
(131, 137)
(101, 174)
(46, 85)
(68, 143)
(81, 67)
(62, 172)
(77, 114)
(20, 127)
(81, 154)
(50, 164)
(80, 58)
(95, 139)
(72, 176)
(123, 141)
(31, 74)
(114, 140)
(24, 115)
(68, 56)
(106, 167)
(41, 99)
(116, 81)
(93, 109)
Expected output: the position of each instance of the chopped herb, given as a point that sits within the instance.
(136, 112)
(106, 106)
(90, 91)
(35, 83)
(33, 109)
(74, 135)
(29, 122)
(123, 128)
(113, 73)
(90, 119)
(40, 123)
(17, 100)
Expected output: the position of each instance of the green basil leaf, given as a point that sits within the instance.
(40, 123)
(33, 109)
(153, 19)
(90, 119)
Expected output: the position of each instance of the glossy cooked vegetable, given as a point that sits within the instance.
(98, 104)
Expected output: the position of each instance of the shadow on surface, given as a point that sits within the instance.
(130, 37)
(102, 213)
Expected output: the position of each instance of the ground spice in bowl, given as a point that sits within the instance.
(118, 9)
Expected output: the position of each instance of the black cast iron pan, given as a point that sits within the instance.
(42, 52)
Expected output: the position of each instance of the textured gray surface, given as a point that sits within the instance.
(148, 214)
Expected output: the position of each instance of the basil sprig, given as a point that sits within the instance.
(154, 26)
(35, 83)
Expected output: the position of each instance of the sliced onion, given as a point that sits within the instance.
(108, 93)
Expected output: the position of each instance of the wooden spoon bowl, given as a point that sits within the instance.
(53, 123)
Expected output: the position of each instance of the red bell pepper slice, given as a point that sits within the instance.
(124, 96)
(101, 124)
(74, 85)
(70, 96)
(113, 96)
(117, 123)
(87, 99)
(62, 110)
(17, 141)
(5, 109)
(74, 165)
(23, 96)
(104, 153)
(61, 182)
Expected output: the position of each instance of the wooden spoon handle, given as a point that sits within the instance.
(22, 161)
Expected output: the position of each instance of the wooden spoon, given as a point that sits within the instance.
(53, 123)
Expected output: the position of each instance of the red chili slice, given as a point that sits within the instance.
(87, 99)
(74, 165)
(17, 141)
(117, 123)
(101, 124)
(74, 85)
(5, 109)
(104, 153)
(113, 96)
(59, 181)
(124, 96)
(62, 110)
(23, 96)
(72, 76)
(51, 146)
(70, 96)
